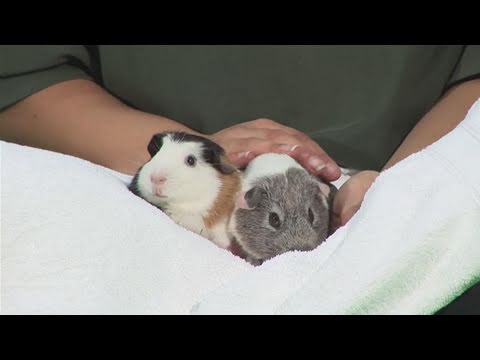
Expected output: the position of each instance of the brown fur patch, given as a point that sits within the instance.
(225, 202)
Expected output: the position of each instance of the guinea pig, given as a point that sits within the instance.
(190, 179)
(281, 208)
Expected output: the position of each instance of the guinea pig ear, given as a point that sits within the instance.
(241, 203)
(155, 144)
(254, 196)
(214, 154)
(225, 167)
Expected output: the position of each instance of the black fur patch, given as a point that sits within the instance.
(155, 144)
(212, 152)
(133, 187)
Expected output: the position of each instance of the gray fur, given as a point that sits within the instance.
(290, 195)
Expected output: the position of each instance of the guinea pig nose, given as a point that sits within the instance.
(157, 179)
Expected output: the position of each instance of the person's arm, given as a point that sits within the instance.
(80, 118)
(439, 121)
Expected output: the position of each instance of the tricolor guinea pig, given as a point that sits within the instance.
(280, 208)
(190, 178)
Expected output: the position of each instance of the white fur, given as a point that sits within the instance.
(220, 235)
(190, 191)
(266, 165)
(272, 164)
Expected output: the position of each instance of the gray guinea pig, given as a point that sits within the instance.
(281, 208)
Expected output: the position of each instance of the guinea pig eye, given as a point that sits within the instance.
(310, 216)
(274, 220)
(191, 160)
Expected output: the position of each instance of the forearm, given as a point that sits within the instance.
(81, 119)
(439, 121)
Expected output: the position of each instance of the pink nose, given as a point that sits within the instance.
(157, 179)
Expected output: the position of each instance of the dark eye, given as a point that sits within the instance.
(191, 160)
(310, 216)
(274, 220)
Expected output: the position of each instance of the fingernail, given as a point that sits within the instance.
(331, 168)
(287, 147)
(316, 163)
(244, 154)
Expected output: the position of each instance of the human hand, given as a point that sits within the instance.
(350, 196)
(245, 141)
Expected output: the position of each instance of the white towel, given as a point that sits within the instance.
(76, 241)
(413, 247)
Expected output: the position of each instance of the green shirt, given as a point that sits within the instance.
(358, 102)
